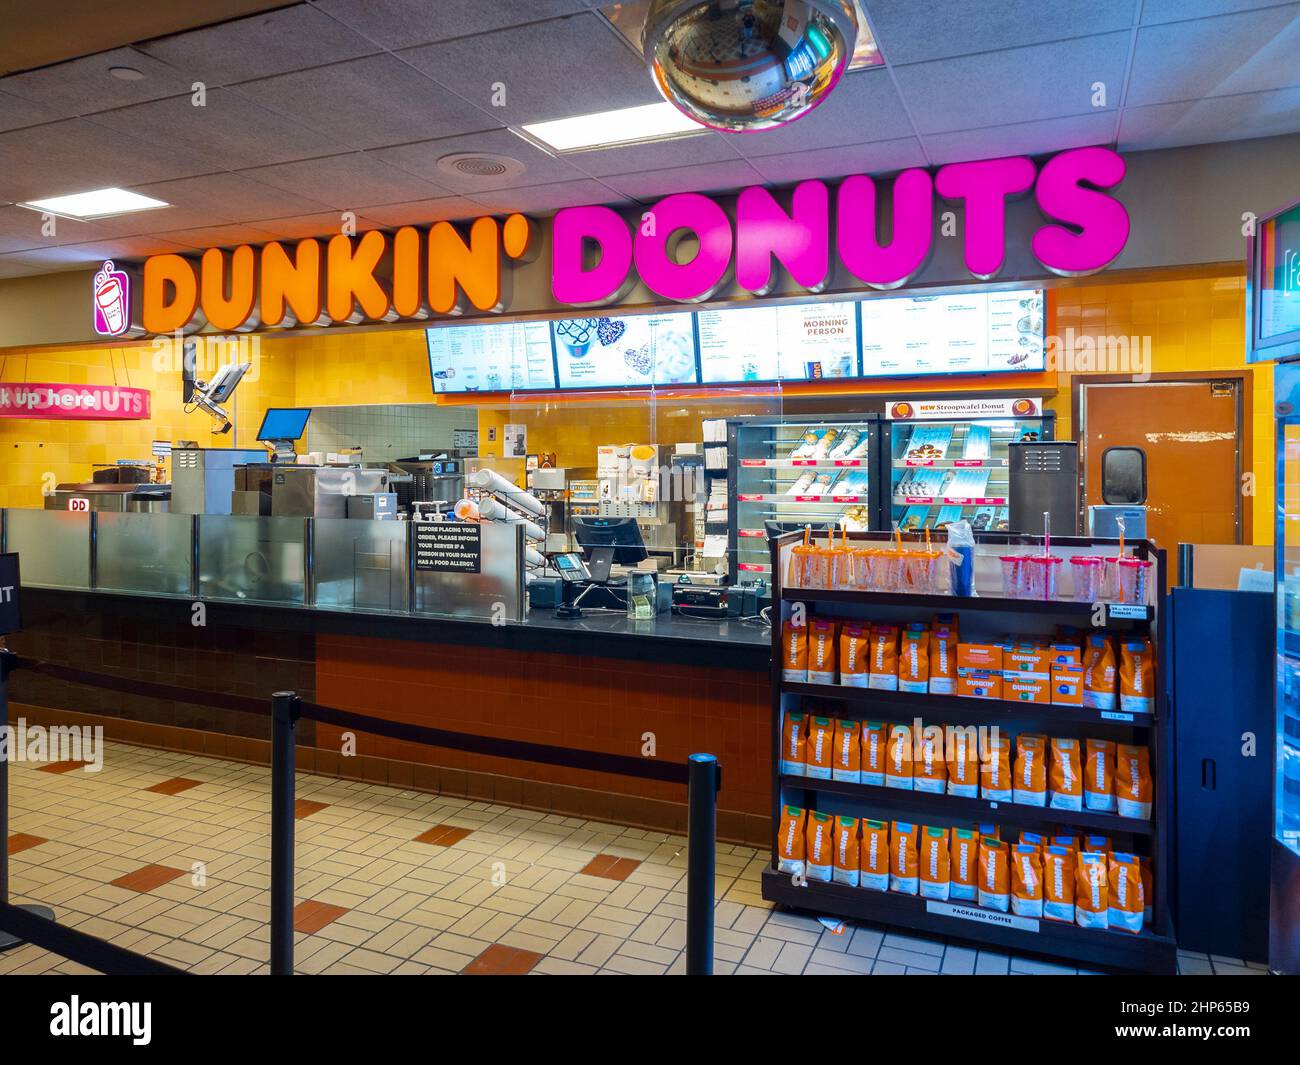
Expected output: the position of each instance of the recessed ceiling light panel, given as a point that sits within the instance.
(100, 203)
(629, 125)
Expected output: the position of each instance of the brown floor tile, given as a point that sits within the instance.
(61, 767)
(443, 835)
(502, 961)
(311, 916)
(306, 807)
(21, 841)
(174, 786)
(148, 877)
(610, 866)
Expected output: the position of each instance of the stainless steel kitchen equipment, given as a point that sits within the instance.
(374, 506)
(114, 498)
(204, 477)
(321, 491)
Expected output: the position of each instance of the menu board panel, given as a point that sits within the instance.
(495, 357)
(1278, 276)
(626, 352)
(975, 332)
(800, 342)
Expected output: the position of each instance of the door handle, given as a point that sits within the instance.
(1208, 774)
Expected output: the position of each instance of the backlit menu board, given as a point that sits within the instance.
(976, 332)
(491, 358)
(1278, 276)
(625, 352)
(799, 342)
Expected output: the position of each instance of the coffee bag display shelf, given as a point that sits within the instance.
(878, 704)
(961, 809)
(1088, 947)
(1154, 950)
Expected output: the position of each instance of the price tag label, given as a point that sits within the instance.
(1127, 610)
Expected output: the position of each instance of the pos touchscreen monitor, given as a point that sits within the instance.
(622, 534)
(284, 423)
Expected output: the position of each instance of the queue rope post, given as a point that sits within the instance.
(285, 710)
(7, 941)
(703, 782)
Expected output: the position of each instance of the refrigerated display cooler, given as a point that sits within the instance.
(794, 472)
(945, 460)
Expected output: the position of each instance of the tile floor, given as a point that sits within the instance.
(167, 854)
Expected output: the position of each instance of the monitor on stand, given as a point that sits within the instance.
(622, 534)
(281, 427)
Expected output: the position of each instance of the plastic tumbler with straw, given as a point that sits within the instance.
(798, 572)
(1014, 576)
(1043, 569)
(1134, 580)
(1088, 573)
(820, 565)
(841, 561)
(1110, 590)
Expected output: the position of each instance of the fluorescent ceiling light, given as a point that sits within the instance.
(630, 125)
(97, 204)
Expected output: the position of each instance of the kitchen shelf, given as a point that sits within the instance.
(963, 710)
(944, 501)
(960, 808)
(951, 464)
(1115, 612)
(1094, 947)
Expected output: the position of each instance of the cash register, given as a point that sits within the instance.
(612, 547)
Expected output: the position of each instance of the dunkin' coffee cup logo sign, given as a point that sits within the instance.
(112, 299)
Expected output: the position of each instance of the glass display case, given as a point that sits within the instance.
(798, 471)
(948, 459)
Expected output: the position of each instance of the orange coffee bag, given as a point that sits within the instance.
(930, 771)
(847, 870)
(884, 658)
(902, 858)
(1091, 891)
(1026, 881)
(1099, 776)
(873, 855)
(995, 769)
(1030, 778)
(935, 873)
(790, 841)
(1136, 676)
(963, 852)
(855, 654)
(1099, 673)
(963, 761)
(819, 844)
(846, 762)
(1126, 903)
(898, 758)
(821, 651)
(914, 661)
(875, 743)
(794, 652)
(820, 751)
(1132, 782)
(794, 743)
(1058, 884)
(1065, 777)
(994, 875)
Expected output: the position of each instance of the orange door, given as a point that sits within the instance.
(1191, 433)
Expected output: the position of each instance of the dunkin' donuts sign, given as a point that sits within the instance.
(65, 402)
(598, 255)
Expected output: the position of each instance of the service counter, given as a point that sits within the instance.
(663, 688)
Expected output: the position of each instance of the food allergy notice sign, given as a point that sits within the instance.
(448, 546)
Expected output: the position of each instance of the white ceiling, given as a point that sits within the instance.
(335, 105)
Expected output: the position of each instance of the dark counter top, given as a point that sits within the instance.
(668, 637)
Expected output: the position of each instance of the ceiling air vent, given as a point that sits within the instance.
(480, 165)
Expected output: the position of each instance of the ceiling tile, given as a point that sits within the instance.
(421, 159)
(1177, 10)
(217, 236)
(343, 181)
(863, 107)
(289, 38)
(1223, 118)
(311, 225)
(84, 86)
(656, 155)
(124, 249)
(1249, 52)
(708, 177)
(16, 113)
(76, 155)
(1021, 138)
(908, 32)
(419, 212)
(556, 69)
(231, 198)
(882, 157)
(545, 199)
(401, 23)
(229, 133)
(1019, 84)
(23, 229)
(367, 103)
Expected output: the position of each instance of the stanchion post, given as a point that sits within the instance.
(703, 781)
(284, 722)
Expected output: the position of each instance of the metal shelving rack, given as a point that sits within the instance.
(1154, 950)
